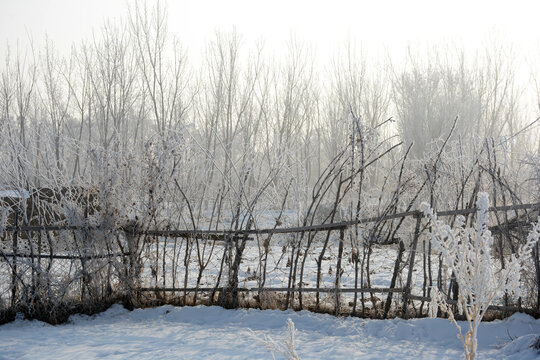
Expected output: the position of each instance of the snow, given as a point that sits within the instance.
(14, 194)
(169, 332)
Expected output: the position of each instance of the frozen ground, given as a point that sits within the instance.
(214, 333)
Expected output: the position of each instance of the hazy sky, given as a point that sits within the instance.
(390, 25)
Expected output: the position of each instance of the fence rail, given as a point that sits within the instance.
(61, 256)
(276, 289)
(237, 234)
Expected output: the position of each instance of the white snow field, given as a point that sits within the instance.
(201, 332)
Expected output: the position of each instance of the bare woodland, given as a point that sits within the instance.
(130, 173)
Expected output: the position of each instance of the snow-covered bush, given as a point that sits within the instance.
(467, 252)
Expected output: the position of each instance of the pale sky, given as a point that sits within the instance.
(388, 25)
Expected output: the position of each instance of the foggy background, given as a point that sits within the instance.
(265, 93)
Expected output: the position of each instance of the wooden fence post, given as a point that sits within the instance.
(537, 270)
(397, 264)
(39, 251)
(407, 289)
(15, 256)
(337, 295)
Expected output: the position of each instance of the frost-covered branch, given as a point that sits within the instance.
(467, 252)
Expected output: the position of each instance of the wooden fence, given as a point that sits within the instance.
(147, 264)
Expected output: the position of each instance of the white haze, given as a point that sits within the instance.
(390, 25)
(382, 29)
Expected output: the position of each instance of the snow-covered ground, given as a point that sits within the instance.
(171, 332)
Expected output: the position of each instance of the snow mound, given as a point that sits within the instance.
(524, 347)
